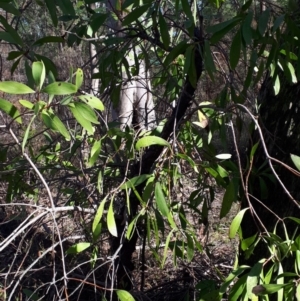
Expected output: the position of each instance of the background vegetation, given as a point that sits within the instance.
(190, 194)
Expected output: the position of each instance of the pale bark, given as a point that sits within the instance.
(135, 96)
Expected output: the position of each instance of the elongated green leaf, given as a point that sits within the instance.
(60, 127)
(27, 104)
(151, 140)
(98, 215)
(190, 248)
(52, 11)
(95, 151)
(236, 222)
(160, 200)
(135, 181)
(12, 87)
(86, 112)
(247, 29)
(87, 125)
(220, 30)
(98, 20)
(12, 32)
(296, 161)
(237, 289)
(111, 223)
(79, 78)
(13, 55)
(38, 73)
(176, 51)
(60, 88)
(209, 64)
(50, 66)
(135, 14)
(26, 134)
(166, 248)
(124, 296)
(49, 39)
(235, 50)
(10, 8)
(77, 248)
(267, 289)
(253, 277)
(5, 36)
(228, 199)
(92, 101)
(263, 21)
(164, 31)
(276, 85)
(10, 109)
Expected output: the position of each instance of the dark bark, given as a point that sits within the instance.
(279, 118)
(144, 167)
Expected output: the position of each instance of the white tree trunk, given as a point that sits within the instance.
(135, 96)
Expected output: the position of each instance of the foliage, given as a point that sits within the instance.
(128, 179)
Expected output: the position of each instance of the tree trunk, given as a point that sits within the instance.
(144, 167)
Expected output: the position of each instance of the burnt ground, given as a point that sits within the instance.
(31, 269)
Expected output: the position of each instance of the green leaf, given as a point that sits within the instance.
(12, 87)
(253, 277)
(86, 112)
(81, 120)
(10, 8)
(209, 63)
(164, 31)
(247, 29)
(296, 161)
(289, 68)
(10, 109)
(276, 85)
(67, 7)
(52, 10)
(176, 51)
(263, 21)
(111, 223)
(235, 50)
(95, 151)
(26, 134)
(38, 73)
(98, 215)
(60, 88)
(97, 21)
(79, 78)
(267, 289)
(92, 101)
(13, 55)
(221, 29)
(166, 248)
(49, 39)
(190, 248)
(151, 140)
(236, 222)
(50, 66)
(187, 10)
(237, 289)
(135, 181)
(160, 200)
(60, 127)
(12, 32)
(228, 199)
(135, 14)
(124, 296)
(77, 248)
(26, 104)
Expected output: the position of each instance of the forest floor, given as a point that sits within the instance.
(27, 266)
